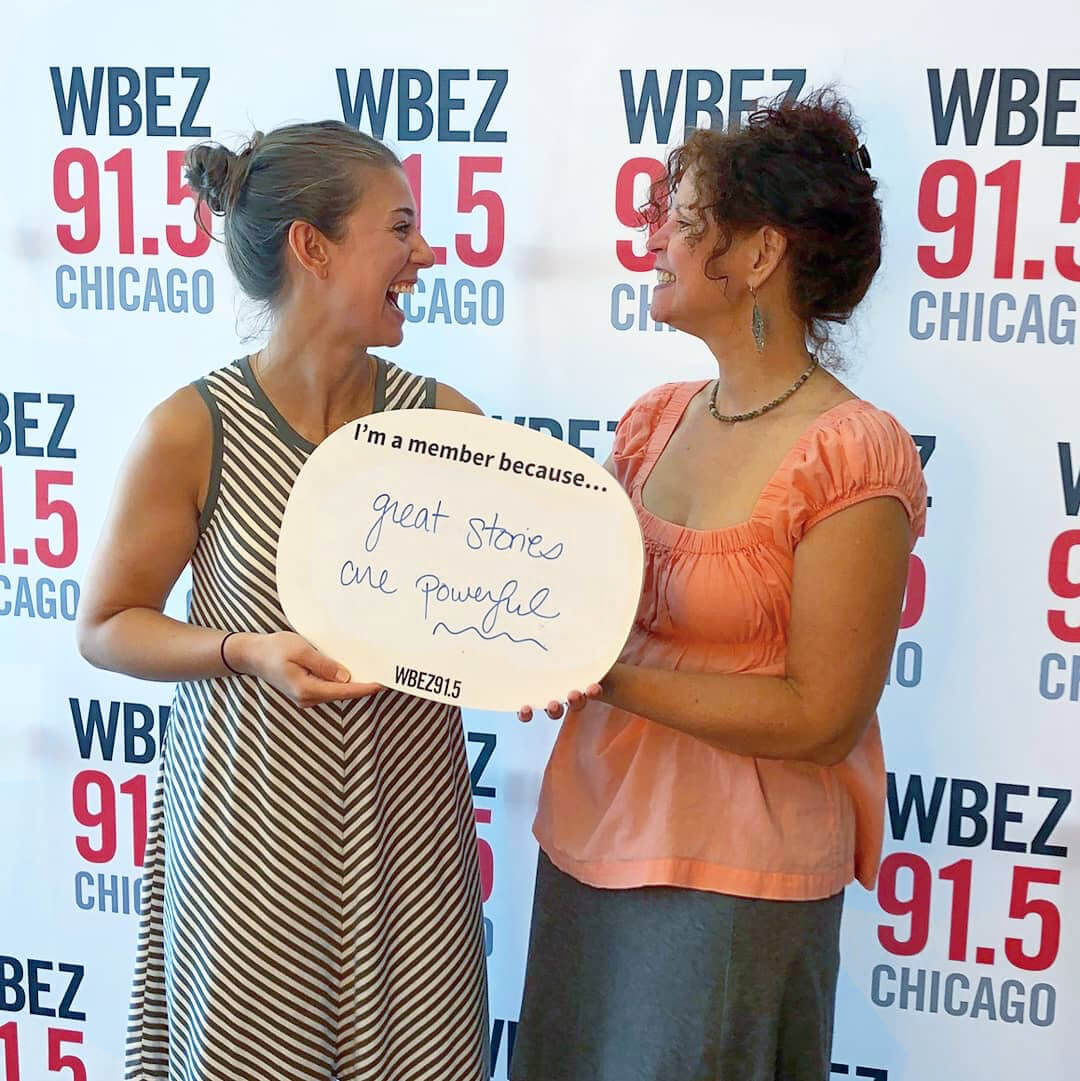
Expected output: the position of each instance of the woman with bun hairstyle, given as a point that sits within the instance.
(312, 898)
(706, 804)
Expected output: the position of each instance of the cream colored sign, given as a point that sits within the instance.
(461, 559)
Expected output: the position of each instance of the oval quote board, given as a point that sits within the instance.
(459, 558)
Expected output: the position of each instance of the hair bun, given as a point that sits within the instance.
(216, 175)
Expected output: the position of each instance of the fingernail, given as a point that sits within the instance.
(342, 676)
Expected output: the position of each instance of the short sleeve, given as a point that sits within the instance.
(864, 454)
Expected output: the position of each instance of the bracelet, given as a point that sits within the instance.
(223, 660)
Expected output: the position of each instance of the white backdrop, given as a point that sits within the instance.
(965, 962)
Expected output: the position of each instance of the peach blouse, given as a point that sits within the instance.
(628, 802)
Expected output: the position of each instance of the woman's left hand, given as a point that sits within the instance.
(575, 702)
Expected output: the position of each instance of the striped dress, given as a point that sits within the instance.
(312, 893)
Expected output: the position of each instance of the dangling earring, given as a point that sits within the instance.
(757, 323)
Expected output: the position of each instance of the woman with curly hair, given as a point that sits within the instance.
(706, 804)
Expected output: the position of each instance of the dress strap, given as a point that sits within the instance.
(216, 453)
(380, 385)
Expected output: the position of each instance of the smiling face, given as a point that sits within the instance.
(684, 297)
(377, 259)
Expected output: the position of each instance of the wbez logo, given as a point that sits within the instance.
(110, 816)
(34, 426)
(955, 210)
(41, 989)
(1020, 96)
(948, 907)
(131, 99)
(417, 115)
(1059, 676)
(111, 201)
(703, 93)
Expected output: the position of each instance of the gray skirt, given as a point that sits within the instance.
(661, 983)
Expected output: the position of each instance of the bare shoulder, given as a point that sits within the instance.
(183, 414)
(829, 393)
(447, 397)
(179, 424)
(174, 445)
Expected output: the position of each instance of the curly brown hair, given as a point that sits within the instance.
(790, 167)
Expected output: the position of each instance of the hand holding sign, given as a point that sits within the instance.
(460, 559)
(575, 702)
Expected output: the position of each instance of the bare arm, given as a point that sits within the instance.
(146, 541)
(848, 586)
(148, 538)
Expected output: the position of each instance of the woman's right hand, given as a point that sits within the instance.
(295, 667)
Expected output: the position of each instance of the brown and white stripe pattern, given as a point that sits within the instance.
(311, 886)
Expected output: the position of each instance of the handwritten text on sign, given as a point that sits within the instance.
(462, 559)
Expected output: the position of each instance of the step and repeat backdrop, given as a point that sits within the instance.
(529, 133)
